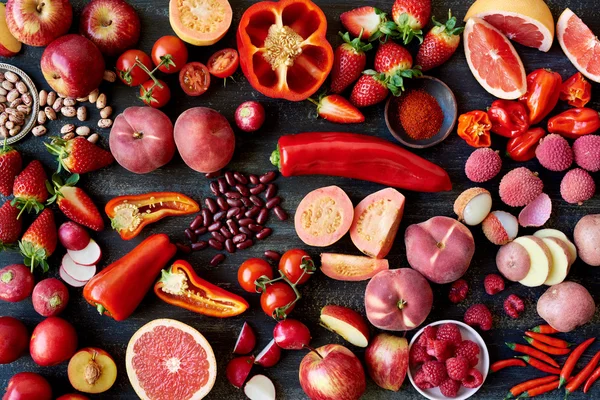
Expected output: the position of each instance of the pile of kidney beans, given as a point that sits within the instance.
(236, 215)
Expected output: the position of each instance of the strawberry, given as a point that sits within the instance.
(349, 61)
(10, 225)
(411, 16)
(368, 23)
(396, 63)
(39, 241)
(337, 109)
(78, 155)
(439, 44)
(10, 165)
(30, 188)
(371, 88)
(75, 203)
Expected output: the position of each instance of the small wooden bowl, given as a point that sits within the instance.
(445, 98)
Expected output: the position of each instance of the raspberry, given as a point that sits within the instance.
(473, 380)
(493, 284)
(440, 349)
(469, 350)
(418, 355)
(450, 388)
(458, 368)
(479, 315)
(458, 291)
(420, 380)
(428, 333)
(434, 372)
(450, 333)
(514, 306)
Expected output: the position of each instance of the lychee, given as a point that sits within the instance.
(587, 152)
(554, 153)
(483, 164)
(536, 213)
(500, 227)
(520, 187)
(473, 205)
(577, 186)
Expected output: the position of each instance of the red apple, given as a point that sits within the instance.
(269, 356)
(332, 372)
(291, 334)
(36, 22)
(73, 396)
(15, 339)
(9, 45)
(28, 386)
(387, 360)
(113, 26)
(246, 340)
(238, 369)
(72, 65)
(53, 341)
(347, 323)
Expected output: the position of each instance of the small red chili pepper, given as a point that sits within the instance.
(522, 148)
(527, 385)
(575, 122)
(593, 378)
(548, 387)
(508, 118)
(532, 352)
(557, 351)
(474, 127)
(547, 329)
(511, 362)
(576, 91)
(548, 340)
(534, 362)
(543, 90)
(565, 373)
(583, 375)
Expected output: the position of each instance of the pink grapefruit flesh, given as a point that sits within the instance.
(579, 44)
(520, 30)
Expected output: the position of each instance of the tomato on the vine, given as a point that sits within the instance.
(224, 63)
(297, 266)
(130, 73)
(194, 78)
(171, 52)
(276, 296)
(250, 271)
(154, 95)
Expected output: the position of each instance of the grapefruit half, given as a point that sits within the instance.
(169, 360)
(493, 60)
(528, 22)
(579, 44)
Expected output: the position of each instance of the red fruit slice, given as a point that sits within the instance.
(351, 268)
(165, 357)
(580, 44)
(238, 369)
(376, 221)
(82, 273)
(493, 60)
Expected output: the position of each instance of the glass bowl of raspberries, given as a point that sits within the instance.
(447, 359)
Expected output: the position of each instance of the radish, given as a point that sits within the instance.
(249, 116)
(269, 356)
(73, 236)
(90, 255)
(70, 281)
(246, 340)
(82, 273)
(50, 297)
(259, 387)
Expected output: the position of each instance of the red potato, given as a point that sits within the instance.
(249, 116)
(73, 236)
(15, 339)
(343, 267)
(204, 139)
(28, 386)
(566, 306)
(53, 341)
(50, 297)
(513, 261)
(16, 283)
(587, 239)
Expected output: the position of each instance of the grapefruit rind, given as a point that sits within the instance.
(561, 26)
(199, 338)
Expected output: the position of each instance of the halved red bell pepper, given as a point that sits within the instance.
(181, 287)
(121, 287)
(508, 118)
(130, 214)
(283, 49)
(575, 122)
(522, 148)
(576, 91)
(543, 91)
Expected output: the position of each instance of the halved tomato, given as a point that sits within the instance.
(200, 22)
(194, 79)
(344, 267)
(223, 63)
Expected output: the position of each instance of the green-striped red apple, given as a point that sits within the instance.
(36, 22)
(347, 323)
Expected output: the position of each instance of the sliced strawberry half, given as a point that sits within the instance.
(368, 23)
(75, 203)
(337, 109)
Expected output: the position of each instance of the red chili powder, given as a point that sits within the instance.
(419, 114)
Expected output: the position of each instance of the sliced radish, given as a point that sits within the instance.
(82, 273)
(90, 255)
(259, 387)
(246, 340)
(68, 280)
(269, 356)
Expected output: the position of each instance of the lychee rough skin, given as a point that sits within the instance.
(587, 152)
(577, 186)
(554, 153)
(483, 164)
(520, 187)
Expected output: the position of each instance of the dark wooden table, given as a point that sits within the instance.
(252, 155)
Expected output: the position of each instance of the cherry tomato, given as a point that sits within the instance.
(194, 78)
(277, 295)
(224, 63)
(153, 95)
(130, 73)
(250, 271)
(174, 49)
(293, 263)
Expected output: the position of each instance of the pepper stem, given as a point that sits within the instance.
(276, 158)
(100, 309)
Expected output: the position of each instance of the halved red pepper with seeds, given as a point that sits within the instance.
(181, 287)
(130, 214)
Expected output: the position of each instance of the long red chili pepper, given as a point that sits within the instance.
(548, 387)
(530, 384)
(557, 351)
(511, 362)
(565, 373)
(548, 340)
(583, 375)
(534, 362)
(532, 352)
(360, 157)
(593, 378)
(547, 329)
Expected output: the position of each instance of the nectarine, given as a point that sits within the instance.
(92, 370)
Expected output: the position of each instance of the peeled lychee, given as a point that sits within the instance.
(520, 187)
(554, 153)
(500, 227)
(483, 164)
(473, 205)
(577, 186)
(587, 152)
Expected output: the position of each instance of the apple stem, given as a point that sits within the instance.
(313, 350)
(39, 7)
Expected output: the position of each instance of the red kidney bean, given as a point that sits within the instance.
(222, 185)
(246, 201)
(280, 213)
(235, 202)
(215, 227)
(215, 244)
(258, 189)
(241, 178)
(225, 232)
(190, 235)
(183, 248)
(214, 188)
(272, 255)
(252, 212)
(229, 178)
(245, 244)
(218, 236)
(197, 222)
(253, 179)
(232, 212)
(268, 177)
(262, 217)
(239, 238)
(233, 228)
(218, 259)
(271, 191)
(246, 231)
(201, 231)
(240, 216)
(246, 221)
(273, 202)
(257, 201)
(201, 245)
(255, 228)
(264, 233)
(211, 205)
(229, 246)
(232, 195)
(207, 217)
(243, 190)
(222, 203)
(220, 215)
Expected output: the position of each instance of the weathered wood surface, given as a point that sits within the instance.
(252, 154)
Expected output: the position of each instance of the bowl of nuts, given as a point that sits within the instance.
(19, 103)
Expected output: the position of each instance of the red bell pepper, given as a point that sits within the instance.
(474, 128)
(120, 287)
(357, 156)
(181, 287)
(522, 148)
(576, 91)
(575, 122)
(130, 214)
(508, 118)
(543, 91)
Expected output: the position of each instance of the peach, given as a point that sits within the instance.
(92, 370)
(566, 306)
